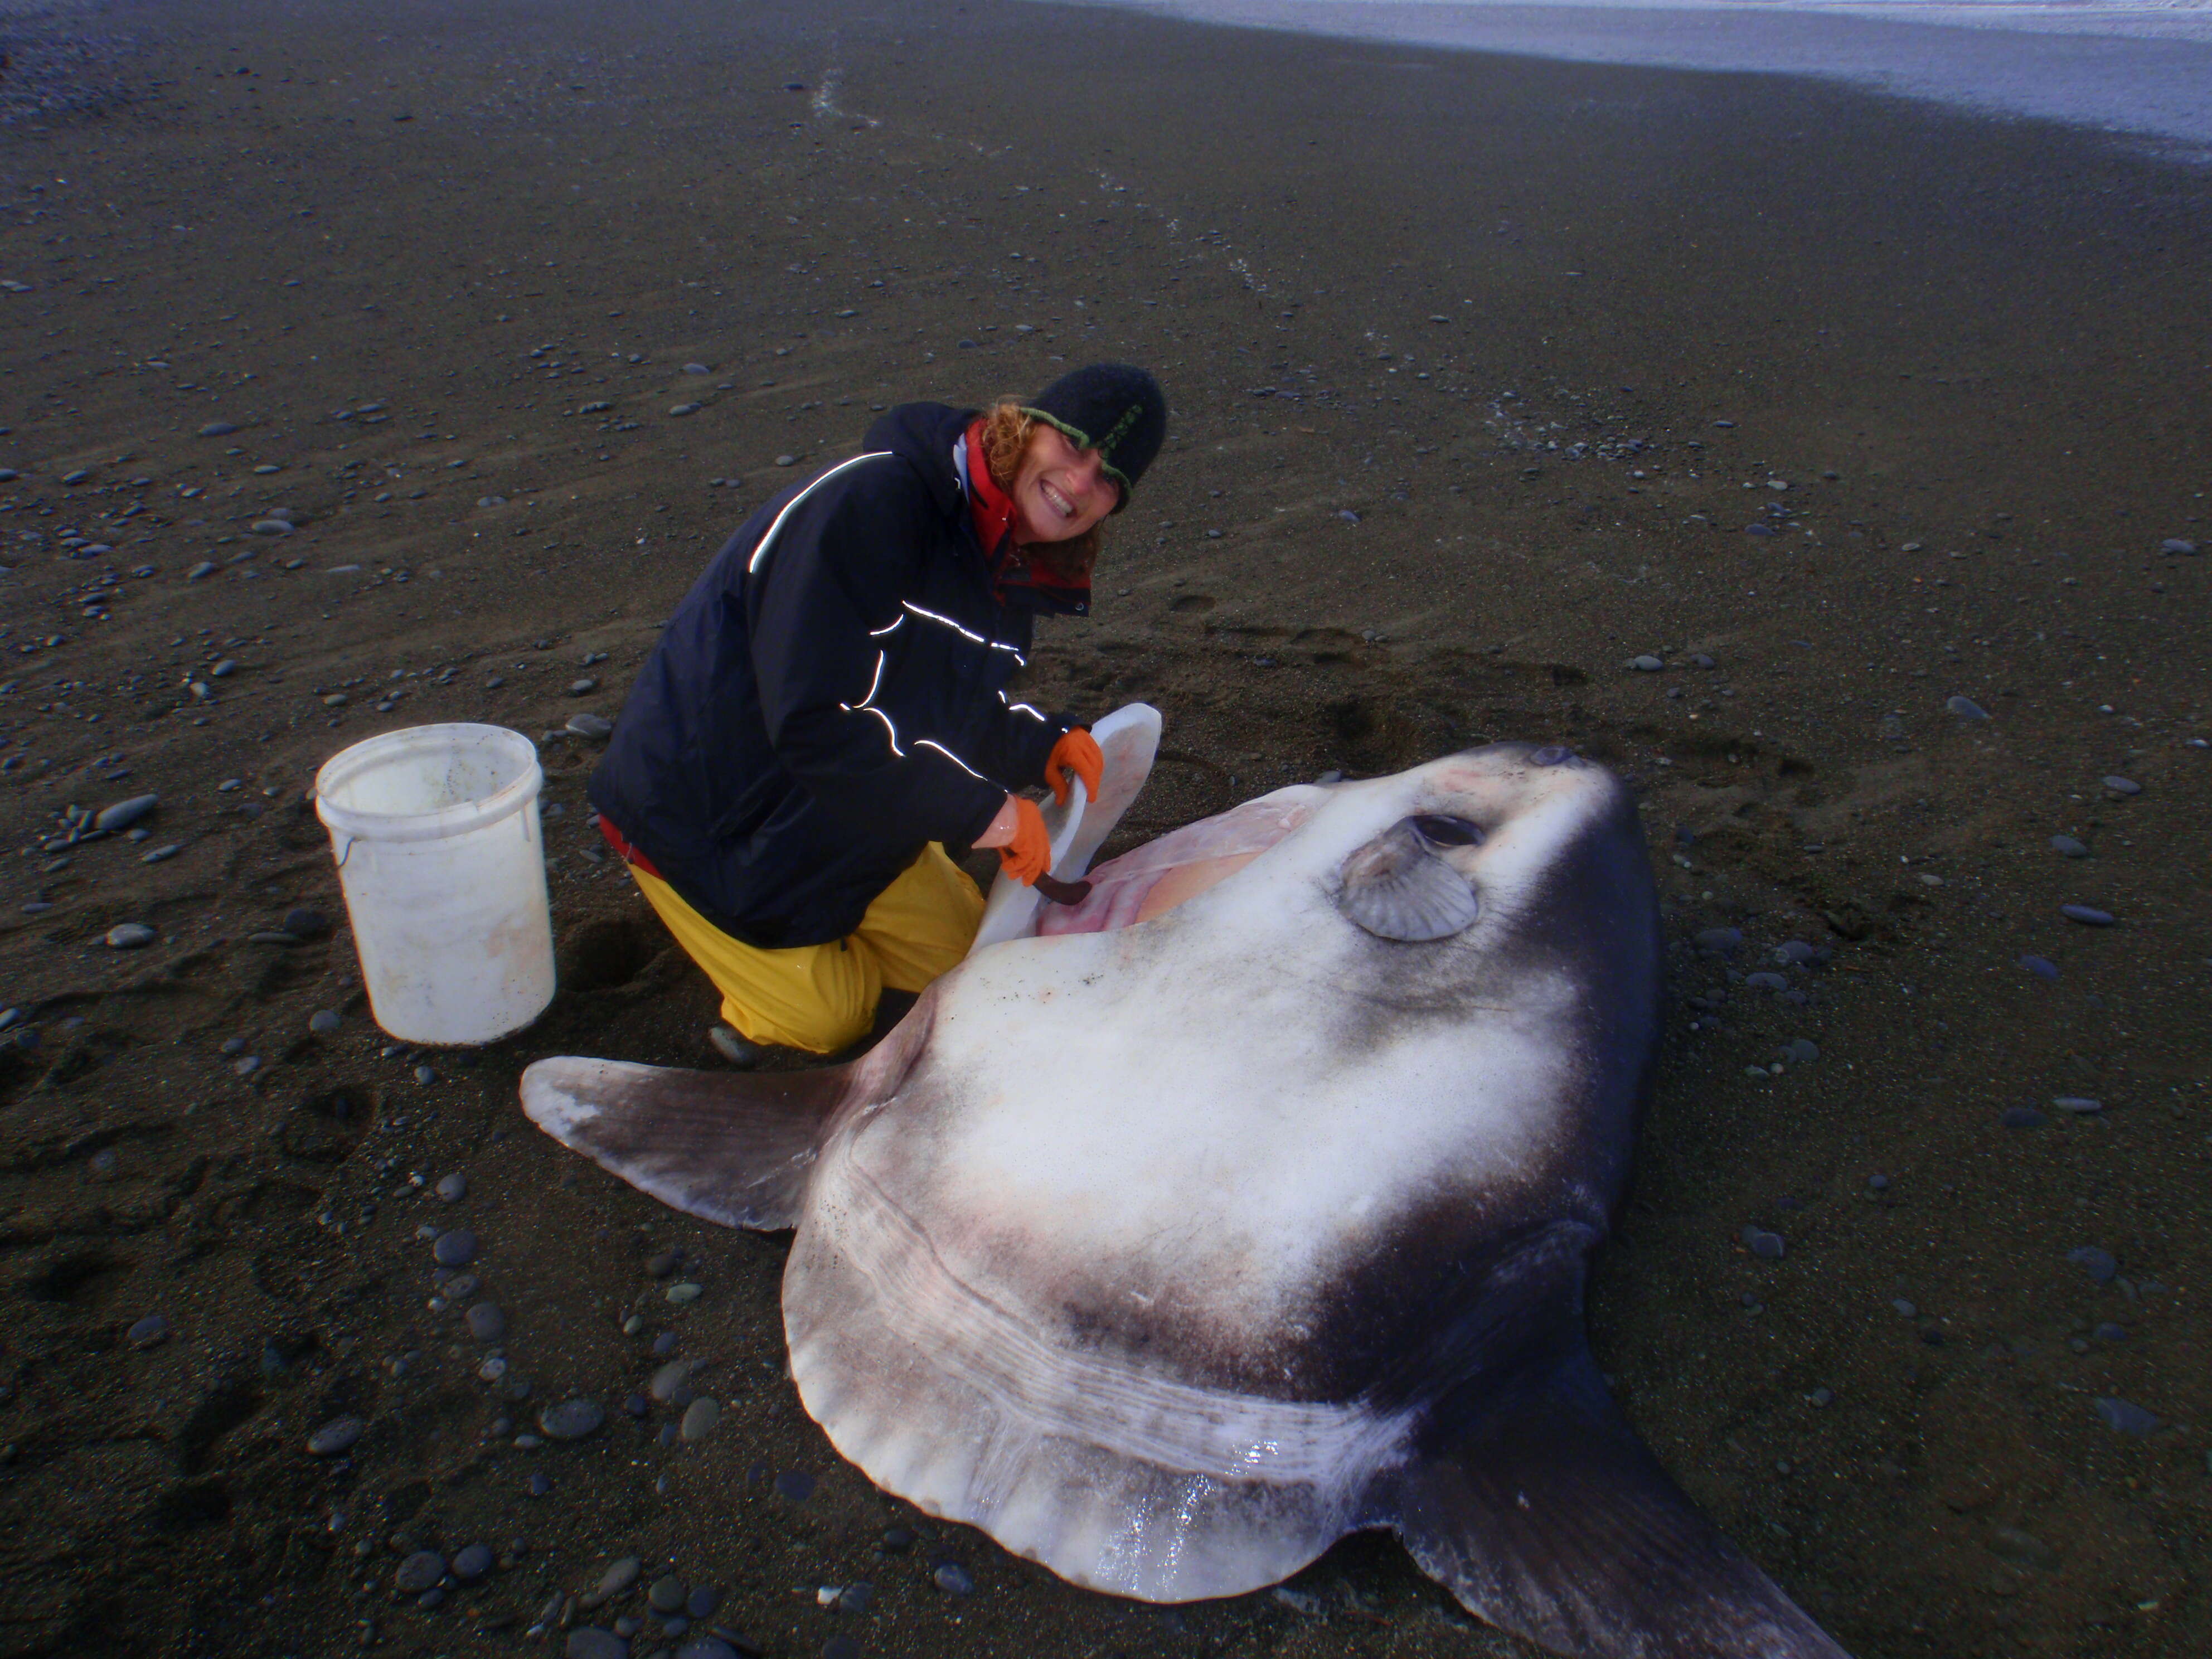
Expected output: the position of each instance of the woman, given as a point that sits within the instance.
(826, 709)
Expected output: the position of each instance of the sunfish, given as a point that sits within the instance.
(1246, 1205)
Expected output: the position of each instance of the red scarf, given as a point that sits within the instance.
(992, 511)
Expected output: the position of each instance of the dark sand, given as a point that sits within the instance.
(1548, 331)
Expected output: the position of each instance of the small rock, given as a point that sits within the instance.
(2087, 915)
(130, 936)
(538, 1484)
(700, 1418)
(2099, 1265)
(271, 527)
(217, 429)
(2123, 1417)
(160, 854)
(596, 728)
(120, 816)
(2180, 545)
(204, 569)
(303, 923)
(337, 1436)
(796, 1485)
(669, 1378)
(666, 1594)
(702, 1601)
(2122, 785)
(470, 1563)
(1803, 1051)
(2067, 846)
(324, 1021)
(590, 1641)
(1966, 708)
(619, 1576)
(487, 1323)
(2041, 967)
(787, 461)
(1725, 941)
(1768, 1247)
(584, 687)
(572, 1420)
(150, 1332)
(418, 1572)
(664, 1263)
(1646, 664)
(2080, 1105)
(682, 1294)
(454, 1249)
(953, 1579)
(454, 1188)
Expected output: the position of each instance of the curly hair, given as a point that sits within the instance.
(1006, 429)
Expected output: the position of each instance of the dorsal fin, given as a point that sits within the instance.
(1534, 1503)
(734, 1147)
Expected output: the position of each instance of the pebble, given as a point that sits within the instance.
(486, 1322)
(426, 1075)
(2067, 846)
(856, 1597)
(572, 1420)
(619, 1576)
(1904, 1309)
(595, 727)
(1768, 1247)
(682, 1294)
(664, 1345)
(2107, 1331)
(700, 1418)
(1966, 708)
(269, 527)
(539, 1484)
(665, 1263)
(666, 1594)
(583, 687)
(204, 567)
(702, 1601)
(130, 936)
(454, 1188)
(304, 923)
(1801, 1051)
(1725, 941)
(2124, 1416)
(953, 1578)
(148, 1333)
(2179, 545)
(217, 429)
(590, 1641)
(124, 813)
(470, 1563)
(338, 1435)
(795, 1485)
(160, 854)
(2080, 1105)
(418, 1572)
(2041, 967)
(323, 1021)
(669, 1378)
(2087, 915)
(1765, 981)
(1646, 664)
(454, 1249)
(787, 461)
(2122, 785)
(2099, 1265)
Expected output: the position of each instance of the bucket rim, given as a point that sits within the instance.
(446, 822)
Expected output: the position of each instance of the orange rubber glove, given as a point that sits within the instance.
(1077, 751)
(1029, 854)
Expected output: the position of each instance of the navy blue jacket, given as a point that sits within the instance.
(829, 698)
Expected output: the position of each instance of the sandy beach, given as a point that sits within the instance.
(367, 368)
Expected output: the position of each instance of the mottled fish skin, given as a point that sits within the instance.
(1170, 1252)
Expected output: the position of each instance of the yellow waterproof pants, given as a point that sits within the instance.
(823, 997)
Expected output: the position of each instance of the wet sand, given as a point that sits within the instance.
(1487, 375)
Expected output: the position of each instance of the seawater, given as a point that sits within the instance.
(2121, 66)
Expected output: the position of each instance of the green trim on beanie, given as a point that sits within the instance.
(1081, 440)
(1123, 402)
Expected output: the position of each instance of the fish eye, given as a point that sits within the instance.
(1442, 831)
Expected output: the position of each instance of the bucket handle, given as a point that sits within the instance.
(349, 843)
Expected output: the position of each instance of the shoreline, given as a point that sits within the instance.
(2155, 88)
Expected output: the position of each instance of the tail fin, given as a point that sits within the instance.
(727, 1146)
(1532, 1500)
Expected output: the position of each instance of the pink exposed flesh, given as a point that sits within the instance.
(1161, 874)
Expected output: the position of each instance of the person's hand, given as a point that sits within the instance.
(1077, 751)
(1018, 834)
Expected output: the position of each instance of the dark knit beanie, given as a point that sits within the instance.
(1118, 410)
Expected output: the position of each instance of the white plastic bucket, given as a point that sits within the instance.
(436, 833)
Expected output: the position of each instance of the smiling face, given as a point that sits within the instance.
(1059, 492)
